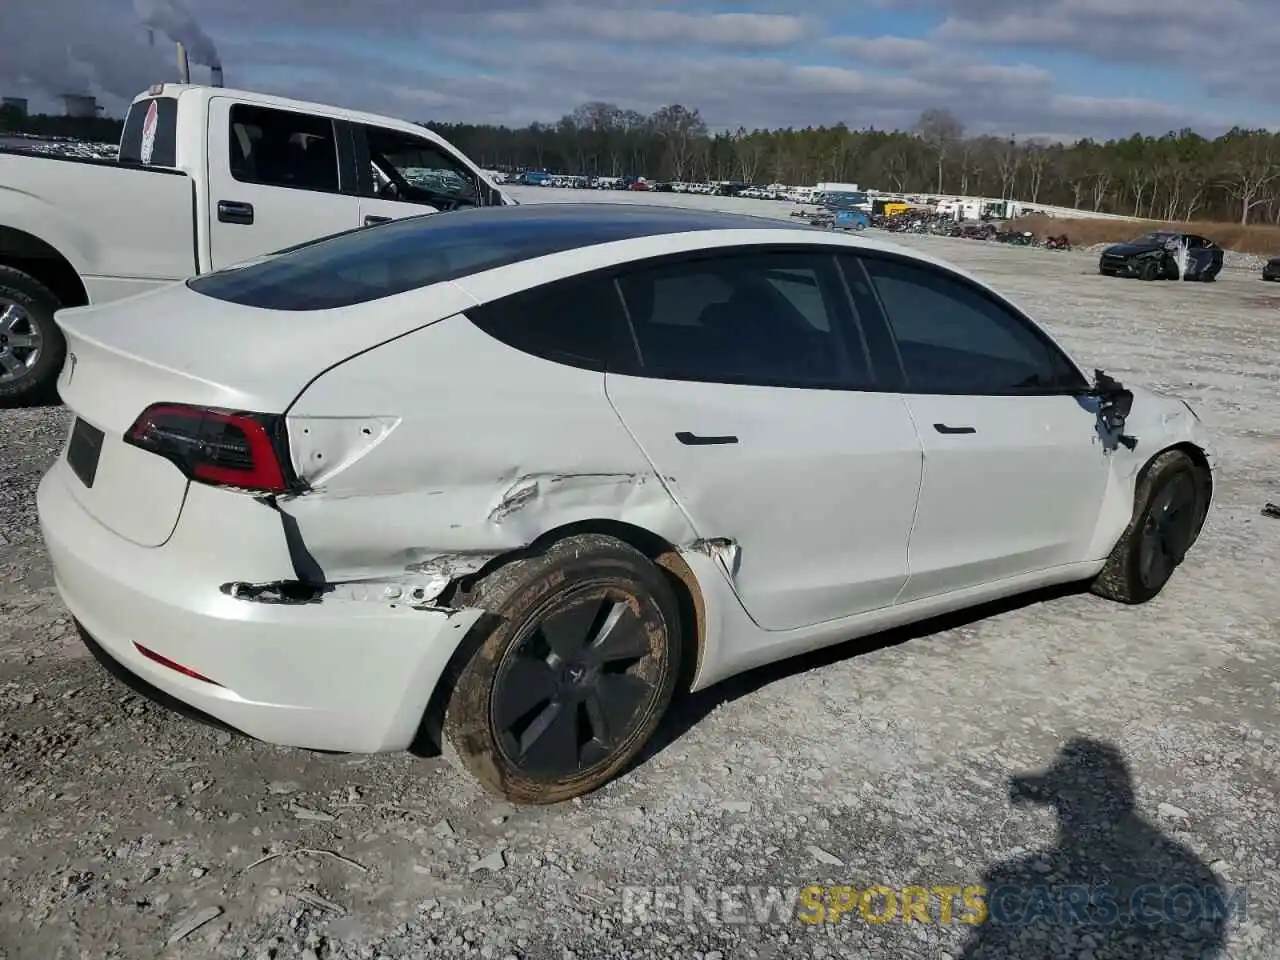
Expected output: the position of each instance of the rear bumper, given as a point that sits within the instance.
(341, 675)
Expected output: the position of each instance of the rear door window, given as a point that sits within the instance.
(282, 148)
(773, 318)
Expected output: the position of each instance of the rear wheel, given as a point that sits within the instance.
(31, 345)
(1170, 506)
(573, 676)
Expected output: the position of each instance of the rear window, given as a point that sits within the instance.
(150, 135)
(374, 262)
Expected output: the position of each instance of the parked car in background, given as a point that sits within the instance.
(1271, 269)
(1163, 255)
(508, 479)
(206, 177)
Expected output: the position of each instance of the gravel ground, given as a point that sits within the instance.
(131, 832)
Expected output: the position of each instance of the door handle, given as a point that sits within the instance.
(943, 428)
(233, 211)
(693, 440)
(370, 220)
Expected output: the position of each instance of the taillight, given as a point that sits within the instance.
(223, 448)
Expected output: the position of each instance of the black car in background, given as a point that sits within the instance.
(1271, 269)
(1154, 256)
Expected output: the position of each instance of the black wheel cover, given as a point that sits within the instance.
(576, 684)
(1167, 528)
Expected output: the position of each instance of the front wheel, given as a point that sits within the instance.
(1170, 507)
(572, 677)
(1151, 270)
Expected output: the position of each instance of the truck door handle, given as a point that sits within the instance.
(693, 440)
(370, 220)
(233, 211)
(943, 428)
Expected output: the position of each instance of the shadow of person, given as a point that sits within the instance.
(1113, 887)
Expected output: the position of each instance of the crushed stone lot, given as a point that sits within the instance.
(128, 831)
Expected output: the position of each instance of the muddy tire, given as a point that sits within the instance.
(571, 674)
(1170, 505)
(32, 347)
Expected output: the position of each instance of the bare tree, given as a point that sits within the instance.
(749, 150)
(940, 131)
(1038, 158)
(1251, 166)
(679, 127)
(1008, 159)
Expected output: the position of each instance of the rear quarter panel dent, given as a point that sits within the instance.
(494, 448)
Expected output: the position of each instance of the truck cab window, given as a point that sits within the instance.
(280, 148)
(414, 170)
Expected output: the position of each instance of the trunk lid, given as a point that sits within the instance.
(176, 346)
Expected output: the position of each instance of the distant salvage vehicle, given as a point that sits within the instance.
(207, 177)
(1154, 256)
(1271, 269)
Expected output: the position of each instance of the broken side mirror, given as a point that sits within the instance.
(1114, 405)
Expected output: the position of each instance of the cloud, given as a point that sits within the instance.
(1229, 46)
(747, 31)
(757, 64)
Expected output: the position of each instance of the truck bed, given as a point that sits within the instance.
(115, 222)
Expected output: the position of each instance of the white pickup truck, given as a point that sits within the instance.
(207, 177)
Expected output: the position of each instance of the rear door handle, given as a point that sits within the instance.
(233, 211)
(943, 428)
(693, 440)
(370, 220)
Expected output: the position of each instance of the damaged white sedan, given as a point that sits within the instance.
(507, 480)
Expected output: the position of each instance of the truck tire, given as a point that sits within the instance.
(571, 675)
(32, 347)
(1170, 505)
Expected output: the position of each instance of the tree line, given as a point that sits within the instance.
(92, 129)
(1179, 176)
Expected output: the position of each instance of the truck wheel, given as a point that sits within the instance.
(1169, 509)
(32, 347)
(573, 676)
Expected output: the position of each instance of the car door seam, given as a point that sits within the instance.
(728, 577)
(915, 512)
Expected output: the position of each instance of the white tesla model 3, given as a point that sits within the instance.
(506, 479)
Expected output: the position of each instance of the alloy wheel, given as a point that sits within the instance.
(21, 341)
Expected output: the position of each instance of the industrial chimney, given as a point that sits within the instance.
(79, 105)
(184, 66)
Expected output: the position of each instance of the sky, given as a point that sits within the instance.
(1056, 69)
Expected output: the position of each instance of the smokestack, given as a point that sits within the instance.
(78, 105)
(184, 68)
(217, 76)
